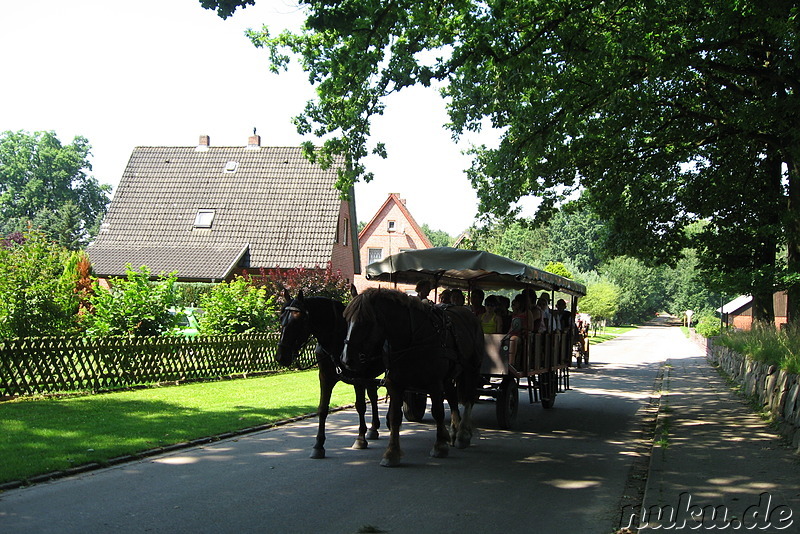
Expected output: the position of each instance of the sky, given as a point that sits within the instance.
(128, 73)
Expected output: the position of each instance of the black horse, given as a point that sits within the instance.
(424, 348)
(322, 317)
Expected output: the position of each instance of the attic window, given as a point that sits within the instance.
(204, 218)
(231, 166)
(392, 226)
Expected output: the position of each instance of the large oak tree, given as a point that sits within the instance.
(663, 113)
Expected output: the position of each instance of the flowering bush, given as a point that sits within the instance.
(314, 282)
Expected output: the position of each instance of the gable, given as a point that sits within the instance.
(263, 207)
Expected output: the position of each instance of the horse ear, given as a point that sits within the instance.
(287, 296)
(353, 290)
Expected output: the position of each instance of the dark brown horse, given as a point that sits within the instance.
(437, 351)
(322, 317)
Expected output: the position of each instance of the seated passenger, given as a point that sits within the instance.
(519, 328)
(560, 317)
(457, 297)
(423, 289)
(444, 297)
(476, 302)
(491, 321)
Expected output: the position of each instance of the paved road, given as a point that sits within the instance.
(561, 470)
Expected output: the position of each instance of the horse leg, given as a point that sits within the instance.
(325, 389)
(393, 453)
(441, 447)
(464, 434)
(372, 392)
(455, 415)
(361, 408)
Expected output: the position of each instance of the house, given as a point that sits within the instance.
(211, 213)
(391, 230)
(738, 313)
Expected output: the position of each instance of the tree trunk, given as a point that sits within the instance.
(793, 243)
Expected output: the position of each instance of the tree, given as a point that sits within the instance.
(576, 236)
(601, 301)
(657, 109)
(641, 288)
(558, 268)
(44, 184)
(37, 288)
(438, 238)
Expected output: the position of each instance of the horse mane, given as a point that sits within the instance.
(362, 307)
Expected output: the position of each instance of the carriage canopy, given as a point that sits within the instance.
(467, 269)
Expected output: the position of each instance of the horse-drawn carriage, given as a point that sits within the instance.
(544, 359)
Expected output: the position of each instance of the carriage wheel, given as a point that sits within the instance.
(507, 403)
(414, 406)
(548, 383)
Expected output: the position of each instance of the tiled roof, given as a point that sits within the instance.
(275, 209)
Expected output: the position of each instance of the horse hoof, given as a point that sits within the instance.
(317, 454)
(360, 444)
(439, 453)
(390, 462)
(462, 443)
(372, 434)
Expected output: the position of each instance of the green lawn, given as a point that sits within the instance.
(610, 332)
(48, 434)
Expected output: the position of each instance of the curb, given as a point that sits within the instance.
(118, 460)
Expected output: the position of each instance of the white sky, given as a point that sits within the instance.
(162, 72)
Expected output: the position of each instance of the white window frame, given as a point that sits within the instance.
(371, 253)
(204, 219)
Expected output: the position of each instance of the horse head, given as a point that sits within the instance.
(295, 328)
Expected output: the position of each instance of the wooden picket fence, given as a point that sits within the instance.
(56, 365)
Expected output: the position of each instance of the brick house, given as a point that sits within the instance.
(391, 230)
(738, 313)
(211, 213)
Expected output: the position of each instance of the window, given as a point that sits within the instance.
(345, 231)
(204, 218)
(231, 166)
(391, 226)
(375, 254)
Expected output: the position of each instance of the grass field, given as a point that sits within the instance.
(41, 435)
(610, 332)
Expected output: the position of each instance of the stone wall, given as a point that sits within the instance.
(775, 390)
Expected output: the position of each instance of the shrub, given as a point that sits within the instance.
(132, 306)
(37, 287)
(766, 344)
(238, 307)
(708, 325)
(189, 294)
(314, 282)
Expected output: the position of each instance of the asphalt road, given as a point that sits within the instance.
(564, 470)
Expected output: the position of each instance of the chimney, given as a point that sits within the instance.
(203, 144)
(254, 141)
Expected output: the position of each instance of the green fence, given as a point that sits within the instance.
(54, 365)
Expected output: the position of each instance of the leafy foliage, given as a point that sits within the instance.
(660, 111)
(313, 282)
(37, 292)
(44, 183)
(558, 268)
(641, 288)
(601, 302)
(132, 306)
(708, 325)
(237, 307)
(438, 238)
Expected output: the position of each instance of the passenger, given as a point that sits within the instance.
(457, 297)
(503, 305)
(519, 328)
(476, 301)
(423, 289)
(560, 317)
(544, 307)
(491, 321)
(533, 311)
(444, 297)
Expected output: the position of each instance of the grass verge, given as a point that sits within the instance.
(610, 332)
(41, 435)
